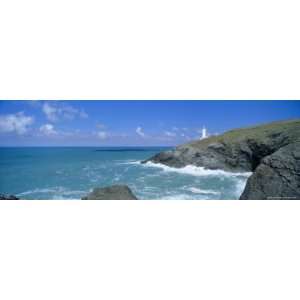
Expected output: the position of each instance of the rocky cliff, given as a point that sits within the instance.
(277, 176)
(270, 151)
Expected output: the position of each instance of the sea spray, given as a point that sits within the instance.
(198, 171)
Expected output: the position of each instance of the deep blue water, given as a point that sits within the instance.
(71, 172)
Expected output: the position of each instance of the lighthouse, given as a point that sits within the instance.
(204, 133)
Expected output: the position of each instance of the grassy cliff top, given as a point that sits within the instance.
(289, 128)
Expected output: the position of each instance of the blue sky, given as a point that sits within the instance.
(130, 123)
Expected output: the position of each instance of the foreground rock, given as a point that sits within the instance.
(277, 177)
(271, 151)
(114, 192)
(8, 197)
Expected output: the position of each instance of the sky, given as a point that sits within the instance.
(130, 123)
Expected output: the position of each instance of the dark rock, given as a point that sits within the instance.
(217, 146)
(267, 150)
(235, 151)
(8, 197)
(277, 177)
(114, 192)
(169, 158)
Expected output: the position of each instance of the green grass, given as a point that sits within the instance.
(259, 133)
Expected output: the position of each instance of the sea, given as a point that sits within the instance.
(72, 172)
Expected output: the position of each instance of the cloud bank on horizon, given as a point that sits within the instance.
(126, 123)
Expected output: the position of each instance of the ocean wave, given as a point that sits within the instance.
(181, 196)
(57, 192)
(129, 162)
(35, 191)
(175, 196)
(203, 192)
(239, 187)
(197, 171)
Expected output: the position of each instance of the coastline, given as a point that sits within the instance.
(271, 151)
(229, 166)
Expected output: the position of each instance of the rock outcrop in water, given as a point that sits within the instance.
(270, 151)
(114, 192)
(8, 197)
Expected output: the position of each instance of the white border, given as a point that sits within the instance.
(162, 49)
(149, 250)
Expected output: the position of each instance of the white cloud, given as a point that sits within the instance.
(170, 134)
(48, 130)
(67, 112)
(56, 111)
(102, 135)
(50, 112)
(17, 123)
(139, 131)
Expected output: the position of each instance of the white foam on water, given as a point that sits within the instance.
(130, 162)
(176, 197)
(57, 192)
(240, 186)
(197, 171)
(37, 191)
(203, 192)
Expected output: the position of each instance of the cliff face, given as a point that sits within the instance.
(277, 176)
(271, 151)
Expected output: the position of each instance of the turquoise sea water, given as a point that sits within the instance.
(71, 172)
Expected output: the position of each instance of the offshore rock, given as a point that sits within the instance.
(114, 192)
(8, 197)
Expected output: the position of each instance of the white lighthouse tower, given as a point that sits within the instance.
(204, 133)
